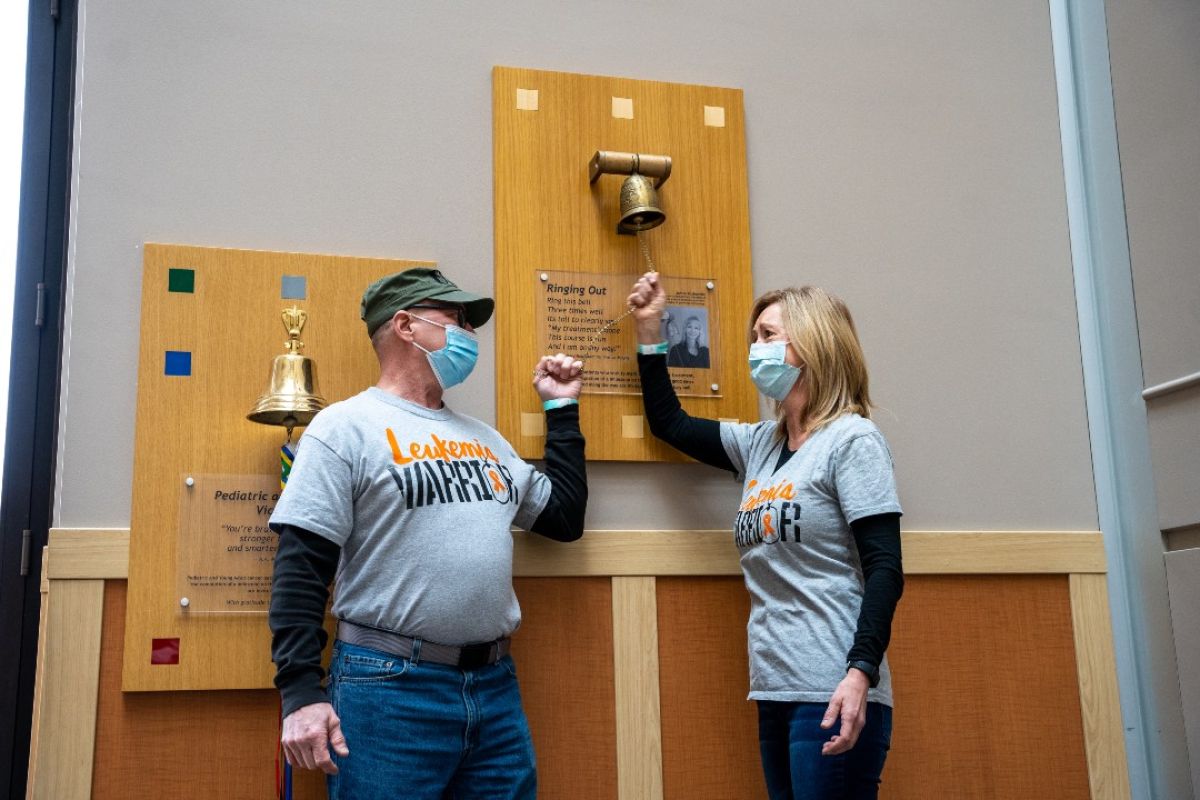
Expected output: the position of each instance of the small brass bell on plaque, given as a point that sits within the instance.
(639, 193)
(291, 399)
(639, 205)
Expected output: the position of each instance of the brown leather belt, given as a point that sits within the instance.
(468, 656)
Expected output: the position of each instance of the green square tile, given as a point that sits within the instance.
(181, 280)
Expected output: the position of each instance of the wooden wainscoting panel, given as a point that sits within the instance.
(709, 728)
(564, 656)
(157, 740)
(39, 683)
(214, 744)
(659, 552)
(987, 703)
(713, 553)
(88, 553)
(635, 658)
(613, 553)
(62, 744)
(1098, 691)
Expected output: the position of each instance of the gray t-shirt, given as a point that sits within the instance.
(798, 553)
(421, 502)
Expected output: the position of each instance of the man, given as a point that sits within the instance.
(411, 505)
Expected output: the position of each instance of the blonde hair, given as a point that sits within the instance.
(821, 331)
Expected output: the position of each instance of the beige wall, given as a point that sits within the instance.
(1183, 583)
(1156, 88)
(905, 156)
(1156, 91)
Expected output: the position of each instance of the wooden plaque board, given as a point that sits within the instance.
(222, 309)
(548, 217)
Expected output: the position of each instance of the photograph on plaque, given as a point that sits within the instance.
(685, 329)
(226, 549)
(576, 313)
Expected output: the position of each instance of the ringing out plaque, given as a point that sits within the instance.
(576, 313)
(226, 549)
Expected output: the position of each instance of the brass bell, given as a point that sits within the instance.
(639, 206)
(639, 192)
(291, 398)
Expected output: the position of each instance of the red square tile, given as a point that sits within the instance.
(164, 651)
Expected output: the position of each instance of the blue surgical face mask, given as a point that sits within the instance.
(453, 363)
(770, 371)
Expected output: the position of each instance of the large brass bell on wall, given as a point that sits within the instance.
(291, 399)
(640, 210)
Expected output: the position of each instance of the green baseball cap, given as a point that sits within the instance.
(399, 291)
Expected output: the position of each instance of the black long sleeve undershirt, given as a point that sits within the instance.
(562, 518)
(305, 565)
(877, 536)
(878, 541)
(697, 437)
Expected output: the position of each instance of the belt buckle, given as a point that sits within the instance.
(474, 656)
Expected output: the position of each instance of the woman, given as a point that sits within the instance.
(818, 530)
(689, 353)
(674, 337)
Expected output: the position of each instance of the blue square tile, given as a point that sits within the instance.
(178, 362)
(295, 287)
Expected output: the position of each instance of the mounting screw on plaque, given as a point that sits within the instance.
(184, 602)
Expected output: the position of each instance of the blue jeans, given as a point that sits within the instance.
(790, 738)
(422, 730)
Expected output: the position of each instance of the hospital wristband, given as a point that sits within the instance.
(559, 402)
(659, 349)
